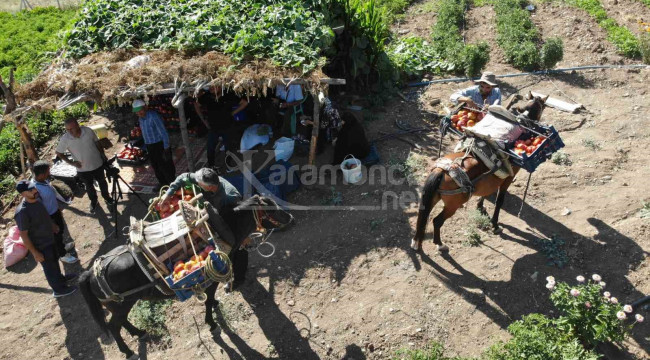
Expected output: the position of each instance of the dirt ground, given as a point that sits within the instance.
(343, 284)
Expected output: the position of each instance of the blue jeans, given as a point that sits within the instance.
(52, 269)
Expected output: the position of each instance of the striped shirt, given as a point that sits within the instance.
(153, 129)
(473, 92)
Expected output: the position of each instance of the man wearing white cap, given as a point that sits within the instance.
(485, 93)
(157, 140)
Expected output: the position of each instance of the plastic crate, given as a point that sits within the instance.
(551, 144)
(184, 288)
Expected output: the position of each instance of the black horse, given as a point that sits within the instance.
(123, 273)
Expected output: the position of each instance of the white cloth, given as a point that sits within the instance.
(83, 149)
(290, 94)
(495, 129)
(252, 137)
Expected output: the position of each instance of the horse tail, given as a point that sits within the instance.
(94, 305)
(429, 191)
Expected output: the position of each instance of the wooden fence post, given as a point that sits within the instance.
(315, 129)
(180, 105)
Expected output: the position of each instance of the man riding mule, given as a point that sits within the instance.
(122, 273)
(459, 176)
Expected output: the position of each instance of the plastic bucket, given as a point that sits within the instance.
(100, 130)
(353, 175)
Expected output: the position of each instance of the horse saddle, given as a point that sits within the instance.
(488, 153)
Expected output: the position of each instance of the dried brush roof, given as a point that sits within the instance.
(109, 77)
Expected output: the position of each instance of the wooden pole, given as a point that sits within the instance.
(180, 104)
(22, 159)
(315, 129)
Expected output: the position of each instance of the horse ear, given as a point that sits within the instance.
(529, 96)
(545, 98)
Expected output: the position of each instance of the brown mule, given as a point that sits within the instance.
(439, 180)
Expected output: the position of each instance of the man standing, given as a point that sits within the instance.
(220, 197)
(88, 158)
(219, 113)
(48, 197)
(37, 231)
(157, 140)
(485, 93)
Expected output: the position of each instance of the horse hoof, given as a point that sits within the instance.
(133, 357)
(416, 245)
(497, 230)
(442, 248)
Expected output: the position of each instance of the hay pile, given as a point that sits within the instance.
(108, 78)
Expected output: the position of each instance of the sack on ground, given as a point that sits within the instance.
(283, 148)
(14, 249)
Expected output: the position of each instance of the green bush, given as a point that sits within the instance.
(413, 56)
(537, 337)
(588, 314)
(644, 47)
(435, 351)
(150, 316)
(30, 39)
(551, 53)
(626, 43)
(448, 41)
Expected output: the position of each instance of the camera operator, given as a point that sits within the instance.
(89, 158)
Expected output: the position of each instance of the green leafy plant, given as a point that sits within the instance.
(479, 220)
(434, 351)
(537, 337)
(624, 40)
(644, 46)
(552, 249)
(335, 198)
(591, 144)
(289, 32)
(448, 42)
(413, 56)
(518, 37)
(560, 158)
(150, 316)
(644, 213)
(589, 314)
(30, 39)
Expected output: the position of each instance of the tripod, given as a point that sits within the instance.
(116, 192)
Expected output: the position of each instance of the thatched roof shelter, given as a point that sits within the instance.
(116, 77)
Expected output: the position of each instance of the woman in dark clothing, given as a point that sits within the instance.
(351, 139)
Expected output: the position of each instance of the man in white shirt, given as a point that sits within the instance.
(88, 157)
(287, 98)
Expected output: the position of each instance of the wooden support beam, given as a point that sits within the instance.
(315, 129)
(180, 105)
(559, 104)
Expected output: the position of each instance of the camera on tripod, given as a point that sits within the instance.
(112, 172)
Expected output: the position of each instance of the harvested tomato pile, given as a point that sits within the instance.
(131, 153)
(171, 205)
(184, 268)
(136, 132)
(528, 146)
(466, 118)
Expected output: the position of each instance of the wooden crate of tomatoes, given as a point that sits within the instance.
(534, 147)
(463, 119)
(164, 210)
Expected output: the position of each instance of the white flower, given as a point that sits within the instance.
(607, 294)
(550, 279)
(550, 286)
(627, 308)
(614, 300)
(574, 292)
(580, 278)
(621, 315)
(602, 284)
(639, 318)
(596, 277)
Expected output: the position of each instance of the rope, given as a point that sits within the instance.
(523, 201)
(216, 276)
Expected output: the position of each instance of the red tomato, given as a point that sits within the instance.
(530, 149)
(188, 197)
(528, 142)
